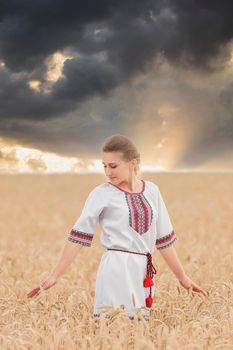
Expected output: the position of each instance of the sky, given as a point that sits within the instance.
(74, 73)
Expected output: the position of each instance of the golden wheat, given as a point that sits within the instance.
(37, 212)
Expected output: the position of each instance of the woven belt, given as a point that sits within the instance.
(151, 271)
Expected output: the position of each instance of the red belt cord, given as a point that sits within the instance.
(151, 271)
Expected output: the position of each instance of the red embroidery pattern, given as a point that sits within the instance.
(140, 212)
(80, 237)
(166, 240)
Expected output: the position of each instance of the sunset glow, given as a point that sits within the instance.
(18, 159)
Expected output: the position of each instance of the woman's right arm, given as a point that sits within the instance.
(66, 257)
(80, 235)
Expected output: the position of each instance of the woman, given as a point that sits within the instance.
(134, 221)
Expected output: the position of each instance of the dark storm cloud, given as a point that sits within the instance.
(83, 77)
(114, 40)
(29, 31)
(19, 101)
(111, 42)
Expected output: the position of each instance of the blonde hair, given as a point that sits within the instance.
(121, 143)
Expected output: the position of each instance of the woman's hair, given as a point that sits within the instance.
(121, 143)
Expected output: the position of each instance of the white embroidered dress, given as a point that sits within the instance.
(138, 222)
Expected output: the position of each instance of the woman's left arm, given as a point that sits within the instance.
(171, 258)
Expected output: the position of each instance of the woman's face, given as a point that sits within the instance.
(116, 168)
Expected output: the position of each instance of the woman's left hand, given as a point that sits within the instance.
(188, 284)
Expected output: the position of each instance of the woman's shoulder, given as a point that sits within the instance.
(152, 185)
(103, 189)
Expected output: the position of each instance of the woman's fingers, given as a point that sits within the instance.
(191, 286)
(43, 286)
(199, 290)
(33, 291)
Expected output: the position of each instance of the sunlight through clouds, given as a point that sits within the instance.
(35, 85)
(55, 64)
(26, 160)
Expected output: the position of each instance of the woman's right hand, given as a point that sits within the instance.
(48, 283)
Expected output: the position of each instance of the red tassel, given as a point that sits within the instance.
(148, 282)
(149, 301)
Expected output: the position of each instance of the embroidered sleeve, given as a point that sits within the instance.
(83, 229)
(165, 232)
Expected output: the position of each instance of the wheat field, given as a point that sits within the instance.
(37, 212)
